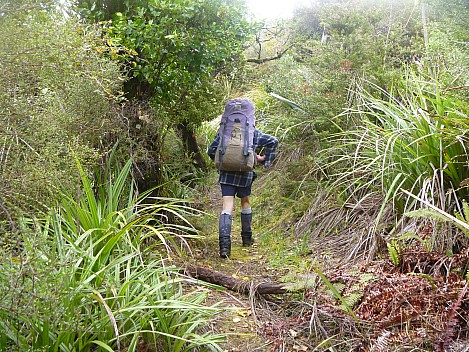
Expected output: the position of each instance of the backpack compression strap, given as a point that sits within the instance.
(246, 140)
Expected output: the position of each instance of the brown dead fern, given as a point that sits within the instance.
(452, 321)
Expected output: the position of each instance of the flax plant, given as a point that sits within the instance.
(107, 294)
(412, 140)
(108, 211)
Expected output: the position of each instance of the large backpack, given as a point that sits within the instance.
(235, 151)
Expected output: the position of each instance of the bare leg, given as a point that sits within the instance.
(228, 204)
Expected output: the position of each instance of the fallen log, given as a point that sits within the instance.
(234, 284)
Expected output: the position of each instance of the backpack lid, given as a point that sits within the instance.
(240, 106)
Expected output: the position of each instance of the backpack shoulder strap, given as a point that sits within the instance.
(221, 145)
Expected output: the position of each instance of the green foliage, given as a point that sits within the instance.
(80, 279)
(398, 245)
(394, 251)
(319, 96)
(334, 43)
(83, 266)
(365, 166)
(463, 216)
(337, 294)
(373, 39)
(447, 48)
(430, 211)
(410, 142)
(406, 151)
(176, 45)
(57, 94)
(173, 52)
(134, 302)
(20, 9)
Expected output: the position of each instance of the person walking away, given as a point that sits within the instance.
(236, 174)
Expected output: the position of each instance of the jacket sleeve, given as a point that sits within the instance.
(213, 147)
(270, 143)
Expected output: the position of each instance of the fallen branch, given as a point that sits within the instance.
(233, 284)
(267, 59)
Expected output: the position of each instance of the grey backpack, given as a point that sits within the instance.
(235, 151)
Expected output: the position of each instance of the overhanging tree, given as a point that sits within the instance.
(174, 50)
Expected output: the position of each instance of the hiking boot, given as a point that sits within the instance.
(224, 232)
(246, 231)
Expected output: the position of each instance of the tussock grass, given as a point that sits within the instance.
(410, 141)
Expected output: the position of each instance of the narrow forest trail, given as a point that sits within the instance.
(248, 321)
(411, 306)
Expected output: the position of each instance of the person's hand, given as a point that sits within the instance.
(260, 158)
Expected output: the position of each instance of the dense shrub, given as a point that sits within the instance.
(57, 91)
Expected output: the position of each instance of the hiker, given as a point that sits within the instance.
(237, 130)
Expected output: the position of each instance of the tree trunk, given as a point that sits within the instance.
(190, 145)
